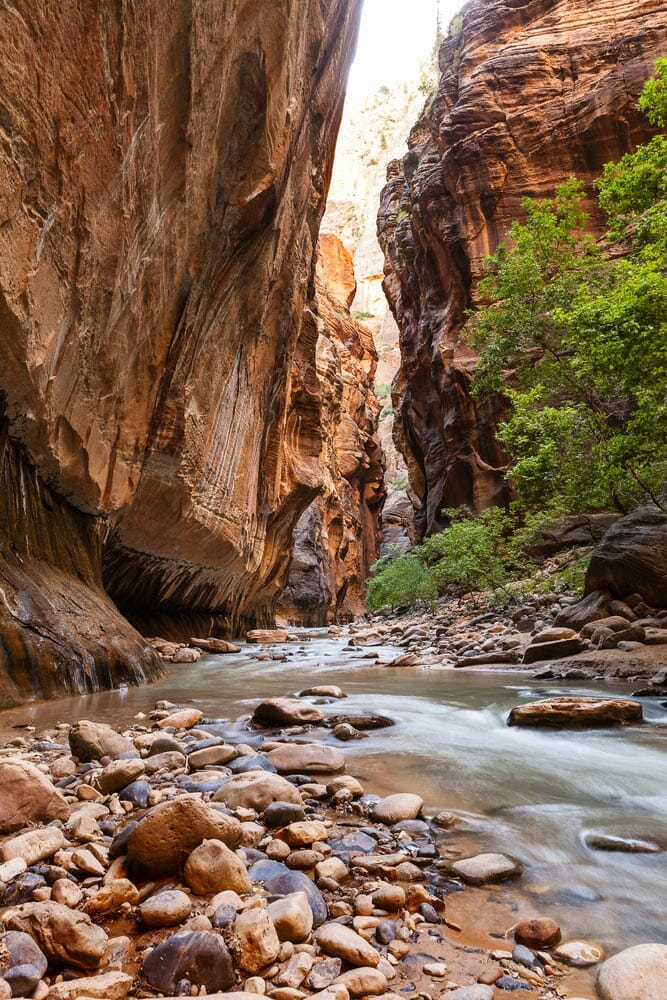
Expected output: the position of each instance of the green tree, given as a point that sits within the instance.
(584, 336)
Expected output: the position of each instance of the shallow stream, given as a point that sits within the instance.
(533, 794)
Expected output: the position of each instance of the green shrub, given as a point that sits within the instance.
(471, 554)
(401, 580)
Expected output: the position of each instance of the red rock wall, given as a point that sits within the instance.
(163, 170)
(531, 92)
(337, 538)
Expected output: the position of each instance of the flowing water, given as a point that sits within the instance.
(533, 794)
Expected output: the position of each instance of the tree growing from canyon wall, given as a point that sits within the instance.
(581, 331)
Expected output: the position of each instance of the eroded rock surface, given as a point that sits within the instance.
(530, 94)
(337, 538)
(163, 180)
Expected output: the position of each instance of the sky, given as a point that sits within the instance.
(395, 36)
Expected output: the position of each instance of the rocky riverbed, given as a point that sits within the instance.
(168, 860)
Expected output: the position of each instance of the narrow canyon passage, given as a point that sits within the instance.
(333, 519)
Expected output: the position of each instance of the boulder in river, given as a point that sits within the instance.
(267, 636)
(307, 758)
(286, 712)
(576, 713)
(483, 868)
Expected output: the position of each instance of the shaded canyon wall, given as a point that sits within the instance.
(337, 538)
(163, 172)
(531, 92)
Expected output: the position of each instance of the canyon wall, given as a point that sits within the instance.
(531, 92)
(163, 172)
(337, 537)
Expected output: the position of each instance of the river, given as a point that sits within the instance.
(534, 794)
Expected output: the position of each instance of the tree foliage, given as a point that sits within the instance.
(584, 334)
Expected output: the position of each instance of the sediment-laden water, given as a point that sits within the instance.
(534, 794)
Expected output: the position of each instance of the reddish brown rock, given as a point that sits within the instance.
(337, 538)
(575, 713)
(530, 94)
(162, 180)
(632, 558)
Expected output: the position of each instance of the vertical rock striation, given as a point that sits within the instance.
(163, 172)
(531, 92)
(337, 537)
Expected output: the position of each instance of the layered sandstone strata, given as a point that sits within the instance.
(163, 173)
(531, 92)
(337, 537)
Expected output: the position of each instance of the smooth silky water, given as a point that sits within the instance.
(534, 794)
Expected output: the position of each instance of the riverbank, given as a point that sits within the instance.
(112, 886)
(550, 636)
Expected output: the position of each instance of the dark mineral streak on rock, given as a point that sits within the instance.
(162, 180)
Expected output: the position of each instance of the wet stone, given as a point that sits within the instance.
(241, 765)
(194, 958)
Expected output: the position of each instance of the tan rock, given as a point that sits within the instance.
(304, 833)
(332, 868)
(166, 908)
(212, 868)
(267, 635)
(389, 897)
(292, 917)
(185, 718)
(638, 973)
(307, 758)
(483, 868)
(119, 774)
(572, 712)
(395, 808)
(109, 986)
(94, 740)
(34, 846)
(27, 796)
(162, 840)
(256, 790)
(342, 942)
(211, 755)
(363, 981)
(65, 936)
(579, 953)
(259, 944)
(111, 897)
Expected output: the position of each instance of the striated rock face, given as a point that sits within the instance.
(531, 93)
(337, 537)
(162, 178)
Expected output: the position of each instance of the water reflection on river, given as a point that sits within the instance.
(533, 794)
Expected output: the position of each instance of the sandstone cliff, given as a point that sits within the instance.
(337, 537)
(531, 92)
(163, 172)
